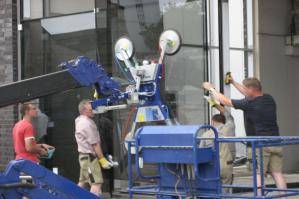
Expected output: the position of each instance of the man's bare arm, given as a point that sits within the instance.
(242, 89)
(98, 150)
(218, 96)
(220, 108)
(102, 160)
(221, 98)
(32, 147)
(46, 146)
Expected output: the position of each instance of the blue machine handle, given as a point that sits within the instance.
(216, 150)
(195, 143)
(139, 173)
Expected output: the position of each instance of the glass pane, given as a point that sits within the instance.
(214, 67)
(250, 23)
(32, 49)
(36, 9)
(213, 22)
(143, 22)
(214, 71)
(237, 69)
(184, 17)
(32, 9)
(250, 64)
(45, 44)
(236, 23)
(184, 75)
(63, 7)
(48, 42)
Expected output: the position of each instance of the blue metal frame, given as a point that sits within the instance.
(210, 184)
(91, 74)
(156, 99)
(171, 158)
(256, 143)
(46, 184)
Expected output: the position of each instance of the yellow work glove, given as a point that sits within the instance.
(96, 94)
(104, 163)
(228, 78)
(211, 101)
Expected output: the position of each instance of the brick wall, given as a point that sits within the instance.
(8, 73)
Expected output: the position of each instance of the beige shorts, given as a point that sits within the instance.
(272, 159)
(226, 171)
(95, 177)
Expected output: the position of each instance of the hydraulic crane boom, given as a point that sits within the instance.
(25, 90)
(45, 184)
(143, 92)
(57, 82)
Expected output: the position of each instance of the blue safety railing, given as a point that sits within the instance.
(257, 144)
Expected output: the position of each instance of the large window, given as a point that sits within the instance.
(56, 31)
(60, 30)
(241, 54)
(37, 9)
(143, 22)
(237, 50)
(46, 42)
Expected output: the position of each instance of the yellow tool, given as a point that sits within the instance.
(228, 78)
(96, 94)
(211, 101)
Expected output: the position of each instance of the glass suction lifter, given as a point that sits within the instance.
(170, 43)
(124, 52)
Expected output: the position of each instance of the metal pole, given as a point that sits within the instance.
(262, 171)
(220, 35)
(245, 38)
(130, 172)
(206, 51)
(254, 169)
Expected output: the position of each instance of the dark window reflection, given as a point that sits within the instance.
(47, 41)
(37, 9)
(45, 44)
(143, 21)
